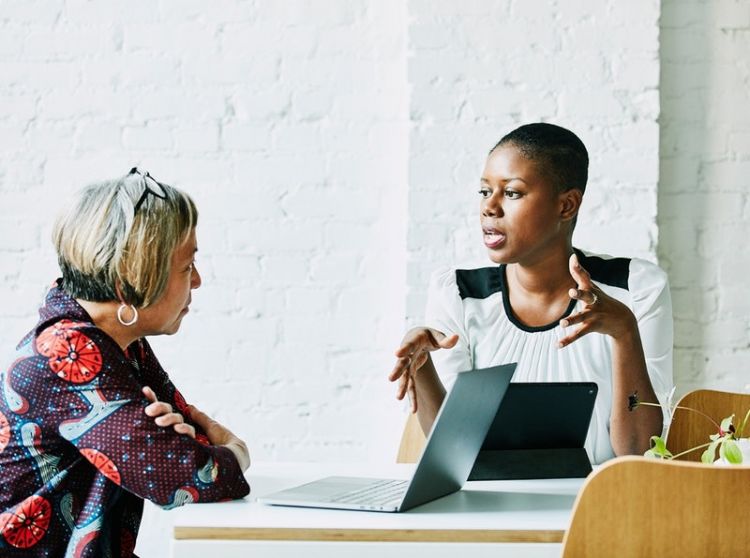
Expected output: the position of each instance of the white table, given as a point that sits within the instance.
(496, 518)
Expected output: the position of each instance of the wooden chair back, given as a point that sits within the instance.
(412, 441)
(689, 429)
(638, 507)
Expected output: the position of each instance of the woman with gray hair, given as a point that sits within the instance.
(90, 423)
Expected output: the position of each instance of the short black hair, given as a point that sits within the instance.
(558, 152)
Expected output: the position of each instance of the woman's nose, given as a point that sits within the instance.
(492, 206)
(195, 279)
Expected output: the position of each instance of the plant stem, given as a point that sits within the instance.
(691, 450)
(744, 423)
(717, 425)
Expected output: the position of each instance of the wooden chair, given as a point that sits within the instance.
(638, 507)
(412, 441)
(688, 429)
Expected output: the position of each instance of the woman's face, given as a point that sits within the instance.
(521, 214)
(165, 315)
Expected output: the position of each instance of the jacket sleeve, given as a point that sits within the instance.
(108, 426)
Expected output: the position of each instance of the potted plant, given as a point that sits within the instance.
(729, 440)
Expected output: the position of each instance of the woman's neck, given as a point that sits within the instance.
(545, 276)
(104, 316)
(538, 291)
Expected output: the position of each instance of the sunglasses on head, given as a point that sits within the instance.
(151, 185)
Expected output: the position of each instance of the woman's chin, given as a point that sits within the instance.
(497, 256)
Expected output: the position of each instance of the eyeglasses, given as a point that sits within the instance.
(155, 188)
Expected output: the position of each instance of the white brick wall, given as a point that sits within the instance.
(287, 121)
(703, 188)
(297, 126)
(480, 70)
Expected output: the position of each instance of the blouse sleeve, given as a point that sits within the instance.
(108, 426)
(445, 313)
(652, 307)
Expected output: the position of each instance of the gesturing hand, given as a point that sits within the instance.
(164, 416)
(601, 313)
(412, 355)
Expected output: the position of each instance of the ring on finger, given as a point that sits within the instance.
(595, 298)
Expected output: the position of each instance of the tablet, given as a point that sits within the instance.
(538, 432)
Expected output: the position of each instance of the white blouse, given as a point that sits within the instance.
(474, 304)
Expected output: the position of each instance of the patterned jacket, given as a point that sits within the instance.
(77, 452)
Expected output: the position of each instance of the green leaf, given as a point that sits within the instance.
(743, 424)
(731, 452)
(709, 456)
(659, 448)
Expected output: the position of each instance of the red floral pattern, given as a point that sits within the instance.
(47, 341)
(27, 524)
(93, 510)
(105, 465)
(75, 358)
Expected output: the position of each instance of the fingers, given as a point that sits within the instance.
(401, 367)
(201, 419)
(410, 363)
(165, 417)
(585, 320)
(587, 296)
(412, 355)
(403, 385)
(216, 433)
(424, 339)
(577, 334)
(158, 408)
(149, 393)
(580, 275)
(170, 419)
(186, 429)
(448, 342)
(412, 395)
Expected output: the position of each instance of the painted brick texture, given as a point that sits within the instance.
(334, 148)
(478, 71)
(704, 188)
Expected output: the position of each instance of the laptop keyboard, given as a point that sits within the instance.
(376, 494)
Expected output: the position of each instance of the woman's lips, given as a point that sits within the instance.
(493, 239)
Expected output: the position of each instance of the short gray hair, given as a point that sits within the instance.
(103, 244)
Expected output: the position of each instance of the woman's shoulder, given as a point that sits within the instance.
(631, 274)
(477, 282)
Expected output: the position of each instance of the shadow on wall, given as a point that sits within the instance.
(704, 162)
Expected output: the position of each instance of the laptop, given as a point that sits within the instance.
(452, 446)
(539, 432)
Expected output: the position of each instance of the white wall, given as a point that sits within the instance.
(479, 69)
(704, 188)
(288, 123)
(333, 148)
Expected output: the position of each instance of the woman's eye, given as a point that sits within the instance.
(512, 194)
(485, 193)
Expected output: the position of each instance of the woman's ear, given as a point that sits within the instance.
(118, 292)
(570, 203)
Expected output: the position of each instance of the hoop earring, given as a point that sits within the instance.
(120, 319)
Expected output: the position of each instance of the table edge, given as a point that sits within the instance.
(369, 535)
